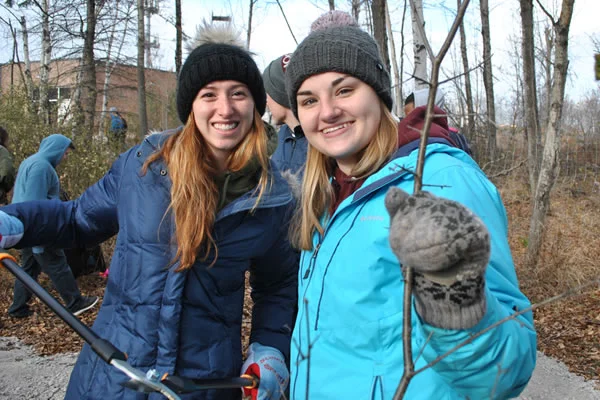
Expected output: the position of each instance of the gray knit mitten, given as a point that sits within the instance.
(448, 248)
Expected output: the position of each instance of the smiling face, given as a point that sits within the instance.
(340, 116)
(223, 112)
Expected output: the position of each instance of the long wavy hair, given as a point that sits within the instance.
(317, 193)
(194, 193)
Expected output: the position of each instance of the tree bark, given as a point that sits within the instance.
(26, 60)
(141, 76)
(250, 23)
(419, 49)
(88, 75)
(178, 37)
(488, 80)
(356, 8)
(532, 122)
(379, 30)
(470, 131)
(394, 61)
(331, 5)
(44, 105)
(110, 64)
(549, 168)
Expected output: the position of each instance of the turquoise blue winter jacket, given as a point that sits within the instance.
(350, 300)
(37, 178)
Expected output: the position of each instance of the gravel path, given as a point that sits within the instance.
(24, 375)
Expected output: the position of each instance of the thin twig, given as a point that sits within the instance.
(570, 292)
(408, 286)
(287, 23)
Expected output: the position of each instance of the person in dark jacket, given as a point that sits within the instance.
(291, 148)
(37, 180)
(194, 209)
(7, 167)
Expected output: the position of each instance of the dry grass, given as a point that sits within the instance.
(570, 256)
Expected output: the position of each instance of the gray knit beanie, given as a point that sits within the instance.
(274, 80)
(345, 49)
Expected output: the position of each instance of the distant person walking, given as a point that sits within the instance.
(118, 128)
(7, 168)
(37, 180)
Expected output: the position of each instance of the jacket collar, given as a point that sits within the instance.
(277, 193)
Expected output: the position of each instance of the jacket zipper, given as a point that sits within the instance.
(312, 261)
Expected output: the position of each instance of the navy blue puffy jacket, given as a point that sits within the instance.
(189, 323)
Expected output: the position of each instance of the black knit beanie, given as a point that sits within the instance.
(346, 49)
(211, 62)
(274, 80)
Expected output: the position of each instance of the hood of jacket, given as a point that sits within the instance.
(53, 147)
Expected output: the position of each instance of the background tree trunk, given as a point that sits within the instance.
(419, 49)
(379, 31)
(394, 61)
(488, 79)
(470, 131)
(26, 59)
(178, 38)
(356, 4)
(331, 5)
(250, 23)
(141, 76)
(550, 167)
(111, 56)
(46, 56)
(532, 122)
(88, 73)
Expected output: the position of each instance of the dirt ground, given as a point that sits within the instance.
(568, 330)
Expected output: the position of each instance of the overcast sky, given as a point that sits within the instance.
(271, 37)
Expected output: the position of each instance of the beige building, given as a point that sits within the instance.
(122, 91)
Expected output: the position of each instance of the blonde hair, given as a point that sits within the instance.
(317, 193)
(194, 194)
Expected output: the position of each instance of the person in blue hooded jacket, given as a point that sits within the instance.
(359, 228)
(194, 209)
(37, 180)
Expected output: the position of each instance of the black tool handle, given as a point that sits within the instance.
(102, 347)
(186, 385)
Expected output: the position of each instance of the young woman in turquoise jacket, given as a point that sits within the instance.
(355, 238)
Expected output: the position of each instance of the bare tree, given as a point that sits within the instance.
(545, 59)
(419, 49)
(549, 168)
(178, 38)
(141, 76)
(532, 123)
(252, 2)
(44, 105)
(88, 68)
(331, 5)
(394, 62)
(355, 7)
(488, 79)
(378, 12)
(113, 53)
(26, 59)
(468, 91)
